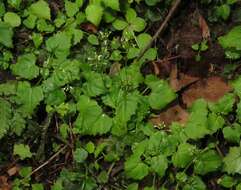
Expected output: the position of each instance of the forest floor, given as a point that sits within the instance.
(60, 153)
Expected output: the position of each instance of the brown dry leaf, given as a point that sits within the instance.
(179, 80)
(175, 113)
(13, 171)
(162, 67)
(204, 27)
(88, 27)
(211, 89)
(156, 68)
(4, 183)
(185, 80)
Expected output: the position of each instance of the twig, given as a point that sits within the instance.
(169, 58)
(48, 161)
(161, 28)
(110, 169)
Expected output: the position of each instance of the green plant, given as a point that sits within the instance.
(221, 10)
(80, 98)
(230, 42)
(200, 47)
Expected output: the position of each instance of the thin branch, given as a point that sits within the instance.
(161, 28)
(48, 161)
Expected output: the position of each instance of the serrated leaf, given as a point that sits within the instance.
(71, 8)
(77, 36)
(8, 88)
(159, 164)
(197, 126)
(194, 183)
(114, 4)
(207, 162)
(28, 97)
(95, 84)
(14, 3)
(25, 67)
(18, 124)
(227, 181)
(130, 76)
(231, 40)
(55, 97)
(44, 26)
(23, 151)
(155, 142)
(224, 105)
(30, 21)
(232, 133)
(6, 34)
(135, 168)
(37, 39)
(91, 119)
(66, 72)
(126, 107)
(119, 24)
(94, 13)
(215, 122)
(5, 116)
(184, 155)
(161, 93)
(12, 18)
(40, 9)
(59, 44)
(232, 161)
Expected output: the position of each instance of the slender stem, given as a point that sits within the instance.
(48, 161)
(161, 28)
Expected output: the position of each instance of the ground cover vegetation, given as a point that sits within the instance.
(120, 94)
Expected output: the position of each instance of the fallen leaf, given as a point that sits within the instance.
(13, 171)
(162, 68)
(210, 89)
(88, 27)
(179, 80)
(4, 185)
(173, 114)
(184, 80)
(204, 27)
(156, 68)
